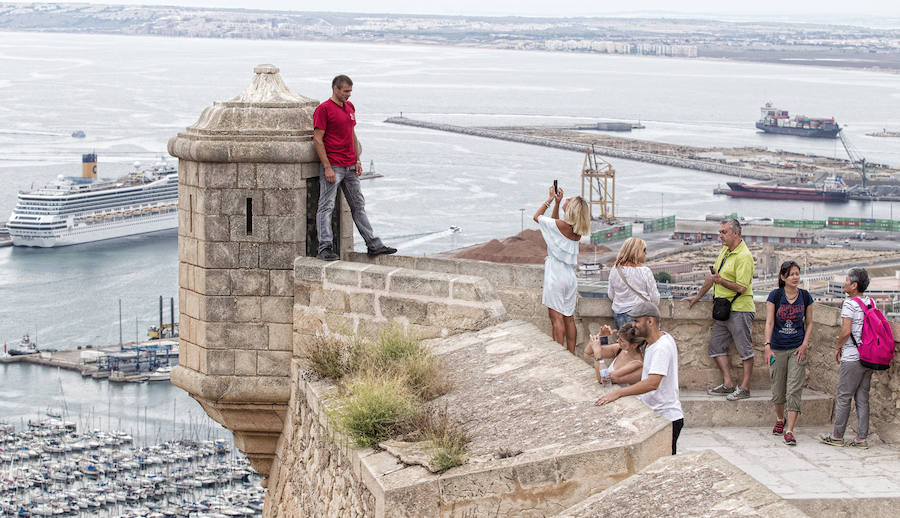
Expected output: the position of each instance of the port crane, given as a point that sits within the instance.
(854, 155)
(598, 184)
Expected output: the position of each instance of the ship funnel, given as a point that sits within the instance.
(89, 165)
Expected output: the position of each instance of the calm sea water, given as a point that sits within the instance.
(131, 94)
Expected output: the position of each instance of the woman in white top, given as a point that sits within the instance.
(630, 282)
(560, 285)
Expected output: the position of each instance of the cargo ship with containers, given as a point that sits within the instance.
(86, 208)
(774, 120)
(833, 190)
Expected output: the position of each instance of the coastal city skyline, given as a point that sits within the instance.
(876, 9)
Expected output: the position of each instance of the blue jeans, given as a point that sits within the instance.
(620, 319)
(346, 179)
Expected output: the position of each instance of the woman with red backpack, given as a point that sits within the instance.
(854, 378)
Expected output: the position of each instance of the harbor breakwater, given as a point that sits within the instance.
(641, 156)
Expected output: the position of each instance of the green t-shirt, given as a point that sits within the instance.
(738, 268)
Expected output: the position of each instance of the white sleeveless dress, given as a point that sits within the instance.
(560, 284)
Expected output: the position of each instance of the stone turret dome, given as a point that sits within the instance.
(267, 122)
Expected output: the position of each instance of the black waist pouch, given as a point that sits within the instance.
(722, 307)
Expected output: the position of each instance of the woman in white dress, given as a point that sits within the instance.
(562, 237)
(630, 282)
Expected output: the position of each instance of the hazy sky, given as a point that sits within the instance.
(780, 9)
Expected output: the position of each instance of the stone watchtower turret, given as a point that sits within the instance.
(247, 195)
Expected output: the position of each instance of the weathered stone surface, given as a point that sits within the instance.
(279, 256)
(217, 361)
(280, 337)
(273, 363)
(412, 282)
(247, 309)
(411, 453)
(701, 484)
(215, 255)
(403, 309)
(234, 202)
(248, 281)
(277, 309)
(309, 270)
(330, 300)
(343, 273)
(258, 232)
(248, 255)
(245, 363)
(232, 335)
(281, 283)
(313, 475)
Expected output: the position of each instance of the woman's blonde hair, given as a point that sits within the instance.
(578, 214)
(630, 253)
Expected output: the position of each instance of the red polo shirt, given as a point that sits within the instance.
(337, 122)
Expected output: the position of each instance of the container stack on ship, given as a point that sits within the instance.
(82, 209)
(779, 121)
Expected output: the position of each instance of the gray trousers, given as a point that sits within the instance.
(346, 179)
(853, 382)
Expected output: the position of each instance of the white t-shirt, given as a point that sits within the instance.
(661, 357)
(640, 278)
(850, 309)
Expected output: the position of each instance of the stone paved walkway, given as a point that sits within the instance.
(810, 471)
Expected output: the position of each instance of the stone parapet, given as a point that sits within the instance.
(538, 442)
(344, 298)
(518, 286)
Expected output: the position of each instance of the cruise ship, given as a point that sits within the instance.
(81, 209)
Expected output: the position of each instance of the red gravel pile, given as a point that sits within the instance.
(526, 247)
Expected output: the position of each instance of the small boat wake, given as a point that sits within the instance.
(431, 236)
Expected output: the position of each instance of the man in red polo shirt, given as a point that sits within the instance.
(338, 149)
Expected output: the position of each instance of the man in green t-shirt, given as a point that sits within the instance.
(732, 276)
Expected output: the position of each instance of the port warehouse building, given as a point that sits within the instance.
(753, 234)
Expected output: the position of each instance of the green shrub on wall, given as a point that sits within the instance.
(384, 386)
(373, 408)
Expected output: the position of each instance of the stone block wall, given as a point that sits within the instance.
(345, 297)
(314, 474)
(518, 286)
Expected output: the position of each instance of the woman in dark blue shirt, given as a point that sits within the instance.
(788, 328)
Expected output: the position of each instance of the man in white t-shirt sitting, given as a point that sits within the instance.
(658, 388)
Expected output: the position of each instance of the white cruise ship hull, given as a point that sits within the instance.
(85, 209)
(87, 233)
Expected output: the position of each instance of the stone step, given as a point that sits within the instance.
(703, 410)
(819, 479)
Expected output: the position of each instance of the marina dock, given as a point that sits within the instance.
(118, 364)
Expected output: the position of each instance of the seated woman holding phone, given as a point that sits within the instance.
(627, 355)
(562, 237)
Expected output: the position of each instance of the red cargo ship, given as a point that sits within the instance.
(771, 192)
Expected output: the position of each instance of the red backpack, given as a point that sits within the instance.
(876, 344)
